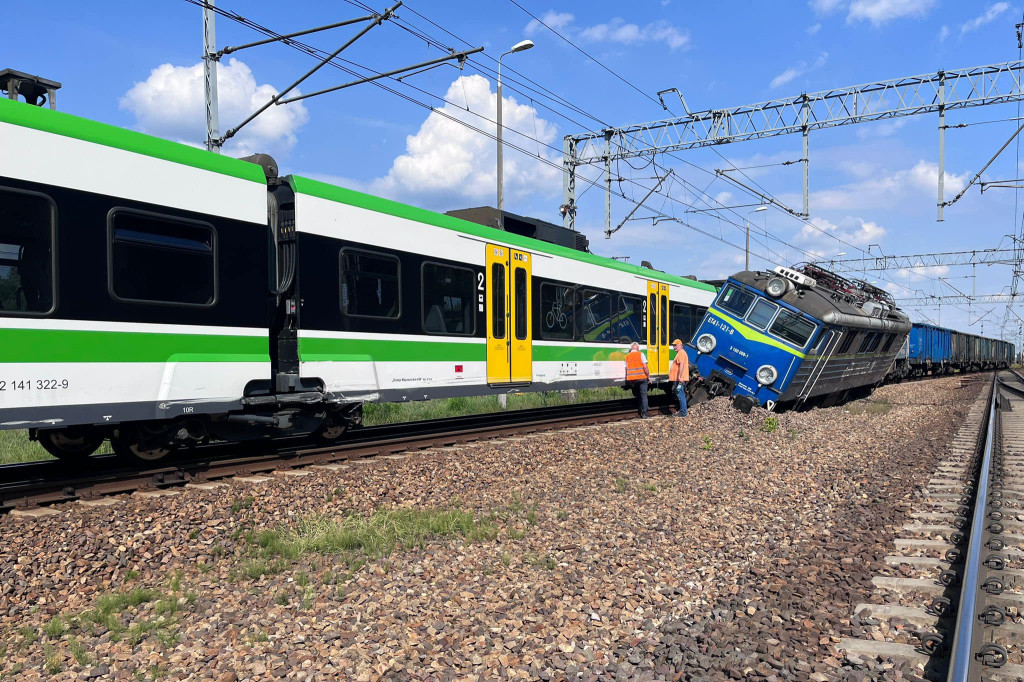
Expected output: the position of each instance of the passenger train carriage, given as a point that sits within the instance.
(161, 296)
(794, 337)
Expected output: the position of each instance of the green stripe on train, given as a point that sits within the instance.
(341, 195)
(59, 123)
(56, 345)
(366, 350)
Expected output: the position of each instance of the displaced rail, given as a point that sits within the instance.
(42, 483)
(965, 605)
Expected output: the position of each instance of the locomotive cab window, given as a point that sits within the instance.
(448, 299)
(793, 328)
(161, 259)
(735, 300)
(630, 319)
(761, 314)
(557, 312)
(370, 284)
(27, 223)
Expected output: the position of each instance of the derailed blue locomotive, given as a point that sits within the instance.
(934, 351)
(796, 337)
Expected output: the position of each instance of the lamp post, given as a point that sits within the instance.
(756, 210)
(518, 47)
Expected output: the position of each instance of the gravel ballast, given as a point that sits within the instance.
(709, 547)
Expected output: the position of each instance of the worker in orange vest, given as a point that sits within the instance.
(637, 377)
(679, 374)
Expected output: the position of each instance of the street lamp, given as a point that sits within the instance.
(518, 47)
(756, 210)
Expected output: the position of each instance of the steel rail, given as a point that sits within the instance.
(963, 662)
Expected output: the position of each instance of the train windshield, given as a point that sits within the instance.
(793, 328)
(735, 300)
(762, 314)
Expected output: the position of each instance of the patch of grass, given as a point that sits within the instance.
(707, 443)
(242, 503)
(52, 661)
(375, 535)
(531, 516)
(328, 578)
(621, 485)
(650, 487)
(515, 533)
(55, 628)
(29, 635)
(193, 534)
(261, 636)
(771, 424)
(204, 567)
(742, 434)
(281, 598)
(130, 574)
(302, 579)
(391, 413)
(506, 558)
(562, 515)
(78, 652)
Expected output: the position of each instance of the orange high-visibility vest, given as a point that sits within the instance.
(635, 370)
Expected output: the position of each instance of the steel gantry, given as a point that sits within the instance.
(929, 93)
(961, 299)
(925, 260)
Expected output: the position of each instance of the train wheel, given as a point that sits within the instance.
(69, 443)
(133, 446)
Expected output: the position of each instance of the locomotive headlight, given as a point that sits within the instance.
(705, 343)
(766, 375)
(776, 287)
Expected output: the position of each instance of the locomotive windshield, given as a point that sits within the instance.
(762, 314)
(793, 328)
(735, 300)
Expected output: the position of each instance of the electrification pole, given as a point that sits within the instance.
(210, 78)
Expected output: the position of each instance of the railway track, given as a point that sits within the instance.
(952, 599)
(31, 485)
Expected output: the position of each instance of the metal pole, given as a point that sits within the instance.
(806, 158)
(942, 143)
(501, 160)
(210, 79)
(569, 182)
(746, 265)
(608, 183)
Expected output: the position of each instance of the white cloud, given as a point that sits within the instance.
(850, 230)
(811, 30)
(921, 271)
(888, 190)
(170, 104)
(880, 128)
(616, 30)
(879, 12)
(800, 69)
(447, 164)
(986, 17)
(943, 33)
(558, 21)
(825, 6)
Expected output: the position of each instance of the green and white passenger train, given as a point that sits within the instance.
(163, 296)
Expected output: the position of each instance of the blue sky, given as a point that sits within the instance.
(136, 65)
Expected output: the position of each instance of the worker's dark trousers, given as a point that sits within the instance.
(640, 393)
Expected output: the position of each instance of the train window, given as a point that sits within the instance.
(849, 336)
(681, 323)
(873, 346)
(152, 255)
(557, 312)
(793, 328)
(27, 224)
(888, 342)
(698, 318)
(498, 298)
(522, 315)
(630, 319)
(597, 316)
(370, 284)
(761, 314)
(735, 300)
(663, 320)
(448, 299)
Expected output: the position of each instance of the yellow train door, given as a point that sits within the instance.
(509, 333)
(657, 328)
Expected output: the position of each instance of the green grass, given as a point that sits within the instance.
(16, 447)
(359, 537)
(391, 413)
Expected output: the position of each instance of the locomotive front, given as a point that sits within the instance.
(751, 344)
